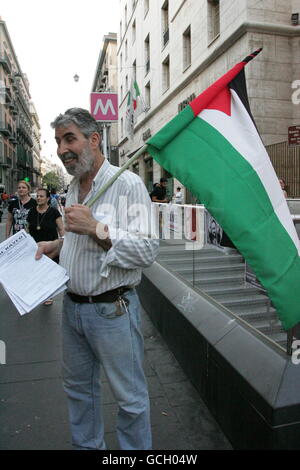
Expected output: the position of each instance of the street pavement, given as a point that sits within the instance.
(33, 410)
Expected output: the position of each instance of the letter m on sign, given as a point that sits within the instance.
(104, 107)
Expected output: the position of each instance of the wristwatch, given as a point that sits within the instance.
(102, 231)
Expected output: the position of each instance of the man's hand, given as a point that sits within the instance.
(79, 219)
(50, 249)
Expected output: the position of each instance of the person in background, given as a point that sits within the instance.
(45, 222)
(283, 186)
(5, 198)
(101, 314)
(178, 196)
(19, 208)
(159, 193)
(54, 199)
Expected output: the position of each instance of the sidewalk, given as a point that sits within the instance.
(33, 412)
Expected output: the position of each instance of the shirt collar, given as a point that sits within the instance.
(100, 176)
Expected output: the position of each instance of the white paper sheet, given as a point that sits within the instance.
(28, 281)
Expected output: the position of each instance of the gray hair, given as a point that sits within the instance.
(81, 118)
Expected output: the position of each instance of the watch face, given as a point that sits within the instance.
(101, 231)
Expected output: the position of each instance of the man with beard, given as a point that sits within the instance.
(103, 252)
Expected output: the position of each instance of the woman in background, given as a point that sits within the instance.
(283, 186)
(18, 209)
(45, 222)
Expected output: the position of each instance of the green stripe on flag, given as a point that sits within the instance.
(170, 130)
(203, 160)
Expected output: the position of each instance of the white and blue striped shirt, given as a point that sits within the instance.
(126, 208)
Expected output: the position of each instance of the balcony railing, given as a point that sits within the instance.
(5, 62)
(5, 128)
(5, 162)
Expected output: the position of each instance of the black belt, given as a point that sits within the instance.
(109, 296)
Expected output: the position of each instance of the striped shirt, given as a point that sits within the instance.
(125, 207)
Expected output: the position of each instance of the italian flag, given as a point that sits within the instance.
(213, 148)
(135, 91)
(134, 96)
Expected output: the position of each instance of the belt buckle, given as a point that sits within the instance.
(90, 299)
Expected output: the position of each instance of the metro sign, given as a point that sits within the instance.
(104, 107)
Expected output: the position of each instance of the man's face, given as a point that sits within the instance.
(164, 184)
(74, 150)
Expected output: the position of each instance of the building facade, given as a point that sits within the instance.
(177, 48)
(106, 80)
(16, 120)
(36, 149)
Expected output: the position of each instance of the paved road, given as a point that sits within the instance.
(33, 412)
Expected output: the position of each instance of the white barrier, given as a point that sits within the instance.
(180, 222)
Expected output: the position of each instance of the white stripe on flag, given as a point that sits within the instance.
(240, 131)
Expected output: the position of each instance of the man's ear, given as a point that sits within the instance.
(95, 140)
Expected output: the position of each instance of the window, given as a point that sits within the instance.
(149, 173)
(134, 70)
(125, 17)
(136, 168)
(121, 29)
(148, 95)
(146, 7)
(187, 56)
(147, 54)
(133, 31)
(213, 19)
(165, 22)
(122, 128)
(126, 50)
(121, 93)
(166, 74)
(121, 62)
(126, 83)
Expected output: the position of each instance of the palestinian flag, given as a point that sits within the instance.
(213, 148)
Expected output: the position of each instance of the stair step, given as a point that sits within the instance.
(211, 269)
(245, 301)
(280, 338)
(232, 291)
(268, 327)
(207, 281)
(259, 315)
(232, 296)
(187, 261)
(182, 251)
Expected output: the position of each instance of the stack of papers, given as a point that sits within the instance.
(28, 281)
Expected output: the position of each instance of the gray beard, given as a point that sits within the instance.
(83, 165)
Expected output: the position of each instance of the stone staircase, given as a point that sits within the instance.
(221, 276)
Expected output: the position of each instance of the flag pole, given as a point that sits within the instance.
(116, 175)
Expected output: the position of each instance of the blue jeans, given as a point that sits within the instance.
(94, 336)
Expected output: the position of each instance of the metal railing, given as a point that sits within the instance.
(223, 276)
